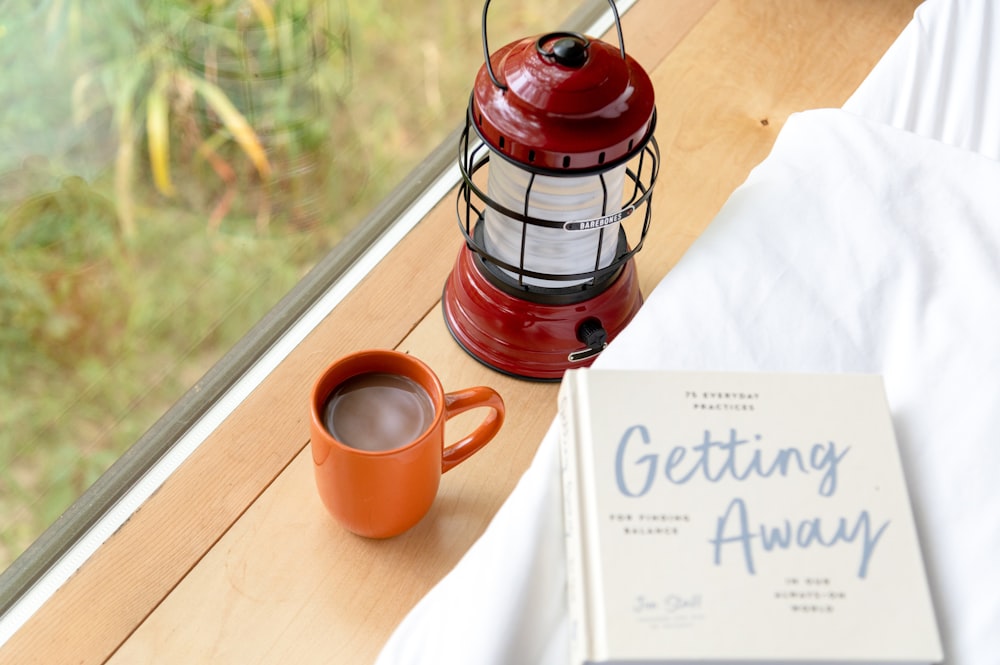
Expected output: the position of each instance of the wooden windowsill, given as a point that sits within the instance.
(234, 558)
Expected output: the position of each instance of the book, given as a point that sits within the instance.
(717, 517)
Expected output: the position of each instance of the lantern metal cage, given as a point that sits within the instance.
(563, 139)
(472, 201)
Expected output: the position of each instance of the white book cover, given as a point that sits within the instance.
(739, 517)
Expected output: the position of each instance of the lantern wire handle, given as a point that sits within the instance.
(486, 48)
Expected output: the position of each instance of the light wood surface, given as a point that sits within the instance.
(234, 559)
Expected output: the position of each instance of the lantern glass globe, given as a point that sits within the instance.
(552, 251)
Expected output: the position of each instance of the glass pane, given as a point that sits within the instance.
(168, 170)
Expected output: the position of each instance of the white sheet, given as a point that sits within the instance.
(855, 246)
(938, 78)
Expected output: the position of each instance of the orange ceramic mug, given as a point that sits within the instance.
(378, 443)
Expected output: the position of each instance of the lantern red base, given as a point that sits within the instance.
(527, 339)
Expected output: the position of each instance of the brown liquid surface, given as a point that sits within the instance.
(378, 411)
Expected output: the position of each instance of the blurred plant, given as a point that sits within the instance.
(58, 248)
(212, 78)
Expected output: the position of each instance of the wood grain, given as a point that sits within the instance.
(234, 560)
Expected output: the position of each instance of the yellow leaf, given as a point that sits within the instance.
(158, 134)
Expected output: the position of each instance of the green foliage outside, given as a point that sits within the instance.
(168, 170)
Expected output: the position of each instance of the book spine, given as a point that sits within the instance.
(572, 524)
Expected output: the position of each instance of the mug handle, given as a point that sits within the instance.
(463, 400)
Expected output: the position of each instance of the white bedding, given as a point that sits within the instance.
(938, 78)
(868, 240)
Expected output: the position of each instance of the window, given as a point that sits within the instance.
(169, 170)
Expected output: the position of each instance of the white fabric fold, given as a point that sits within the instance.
(938, 77)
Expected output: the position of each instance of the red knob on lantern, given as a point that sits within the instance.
(565, 124)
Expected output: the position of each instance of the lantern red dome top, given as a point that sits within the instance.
(563, 102)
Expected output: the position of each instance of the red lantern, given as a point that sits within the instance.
(546, 279)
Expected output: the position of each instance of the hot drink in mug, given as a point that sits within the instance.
(378, 411)
(377, 425)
